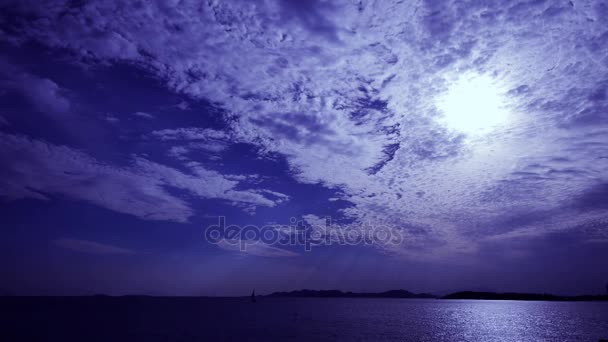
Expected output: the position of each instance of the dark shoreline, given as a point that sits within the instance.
(457, 295)
(395, 294)
(341, 294)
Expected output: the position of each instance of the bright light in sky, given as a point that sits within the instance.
(473, 105)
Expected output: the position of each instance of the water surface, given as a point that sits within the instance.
(305, 319)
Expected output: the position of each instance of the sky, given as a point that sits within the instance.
(474, 134)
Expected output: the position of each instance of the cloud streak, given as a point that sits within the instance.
(91, 247)
(256, 248)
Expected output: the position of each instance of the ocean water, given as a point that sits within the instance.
(305, 319)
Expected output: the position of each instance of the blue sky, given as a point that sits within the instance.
(475, 130)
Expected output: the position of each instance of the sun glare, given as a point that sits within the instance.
(473, 105)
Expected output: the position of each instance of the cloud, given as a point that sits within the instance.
(594, 198)
(112, 119)
(347, 93)
(178, 152)
(190, 133)
(91, 247)
(144, 115)
(44, 94)
(183, 105)
(256, 248)
(212, 141)
(36, 169)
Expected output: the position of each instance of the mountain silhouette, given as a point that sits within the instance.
(338, 293)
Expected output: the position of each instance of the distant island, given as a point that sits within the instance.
(341, 294)
(456, 295)
(522, 296)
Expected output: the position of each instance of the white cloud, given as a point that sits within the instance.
(178, 152)
(211, 141)
(144, 115)
(37, 170)
(189, 133)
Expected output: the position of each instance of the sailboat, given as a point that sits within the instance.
(253, 296)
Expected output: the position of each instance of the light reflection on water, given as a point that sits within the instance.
(469, 320)
(525, 321)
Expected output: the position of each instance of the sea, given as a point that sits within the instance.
(297, 319)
